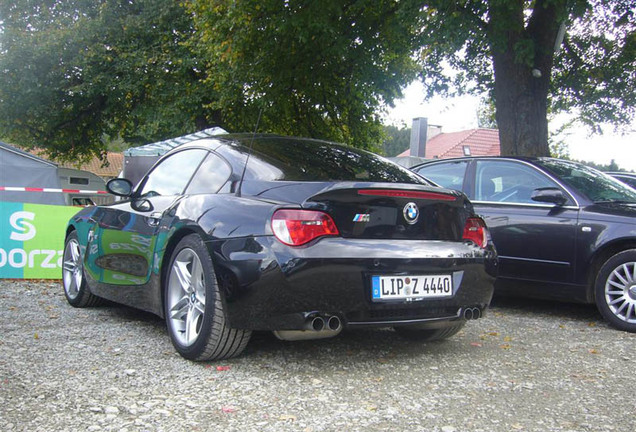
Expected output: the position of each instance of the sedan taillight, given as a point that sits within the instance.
(475, 231)
(297, 227)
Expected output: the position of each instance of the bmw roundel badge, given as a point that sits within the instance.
(411, 213)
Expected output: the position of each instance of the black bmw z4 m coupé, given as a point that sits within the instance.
(239, 233)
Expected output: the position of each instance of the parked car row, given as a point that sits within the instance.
(231, 234)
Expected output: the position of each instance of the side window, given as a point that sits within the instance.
(172, 175)
(510, 182)
(449, 174)
(211, 176)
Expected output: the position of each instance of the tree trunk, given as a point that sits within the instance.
(522, 61)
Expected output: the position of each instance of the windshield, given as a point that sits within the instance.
(595, 185)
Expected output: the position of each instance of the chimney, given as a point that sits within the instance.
(433, 131)
(418, 136)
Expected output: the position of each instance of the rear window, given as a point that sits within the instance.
(447, 174)
(308, 160)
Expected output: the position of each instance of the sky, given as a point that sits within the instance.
(461, 113)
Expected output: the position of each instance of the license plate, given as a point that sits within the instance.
(387, 288)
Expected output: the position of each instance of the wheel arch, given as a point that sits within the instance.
(69, 229)
(173, 241)
(600, 257)
(167, 255)
(217, 340)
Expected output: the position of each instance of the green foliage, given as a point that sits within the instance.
(314, 68)
(454, 54)
(79, 73)
(595, 70)
(397, 140)
(76, 75)
(591, 75)
(612, 166)
(557, 141)
(486, 114)
(559, 148)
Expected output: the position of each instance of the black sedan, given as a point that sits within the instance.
(562, 230)
(301, 237)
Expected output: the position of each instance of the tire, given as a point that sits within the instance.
(75, 287)
(429, 335)
(194, 311)
(615, 290)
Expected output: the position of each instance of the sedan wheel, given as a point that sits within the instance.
(616, 290)
(194, 309)
(75, 288)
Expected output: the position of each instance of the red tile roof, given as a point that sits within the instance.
(482, 142)
(115, 165)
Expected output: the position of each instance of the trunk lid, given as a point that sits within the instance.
(394, 211)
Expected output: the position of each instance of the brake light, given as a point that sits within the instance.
(407, 194)
(475, 231)
(297, 227)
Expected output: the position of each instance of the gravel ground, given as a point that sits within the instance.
(526, 366)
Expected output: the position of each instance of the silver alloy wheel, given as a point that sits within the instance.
(186, 296)
(620, 292)
(73, 268)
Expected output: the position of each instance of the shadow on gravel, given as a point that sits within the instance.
(377, 345)
(361, 344)
(132, 314)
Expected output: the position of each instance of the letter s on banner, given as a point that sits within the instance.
(23, 230)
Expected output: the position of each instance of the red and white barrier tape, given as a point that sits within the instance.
(32, 189)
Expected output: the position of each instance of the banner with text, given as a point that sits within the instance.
(32, 240)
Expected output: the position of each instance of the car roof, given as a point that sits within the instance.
(469, 158)
(246, 138)
(269, 157)
(621, 173)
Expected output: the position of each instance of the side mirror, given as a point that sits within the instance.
(120, 187)
(550, 195)
(142, 205)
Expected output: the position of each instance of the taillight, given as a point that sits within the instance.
(475, 231)
(297, 227)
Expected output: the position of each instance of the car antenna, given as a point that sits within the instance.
(258, 120)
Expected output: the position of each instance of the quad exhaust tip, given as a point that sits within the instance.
(334, 324)
(318, 327)
(317, 324)
(472, 313)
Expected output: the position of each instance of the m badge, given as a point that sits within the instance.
(362, 217)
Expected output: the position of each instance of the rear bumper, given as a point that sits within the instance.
(270, 286)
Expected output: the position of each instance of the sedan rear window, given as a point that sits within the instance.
(447, 174)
